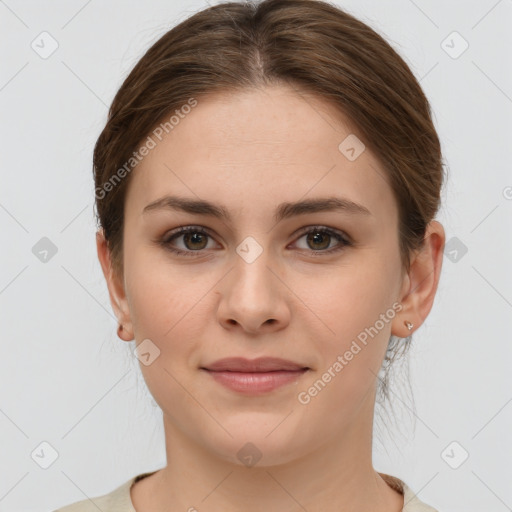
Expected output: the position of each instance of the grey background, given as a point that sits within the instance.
(65, 377)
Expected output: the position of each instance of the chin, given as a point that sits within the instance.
(255, 445)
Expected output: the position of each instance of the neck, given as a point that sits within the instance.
(335, 476)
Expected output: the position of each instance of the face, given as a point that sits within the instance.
(304, 286)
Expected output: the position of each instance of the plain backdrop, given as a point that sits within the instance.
(76, 419)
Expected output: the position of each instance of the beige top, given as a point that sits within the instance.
(119, 499)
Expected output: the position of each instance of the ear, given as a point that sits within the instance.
(420, 284)
(116, 288)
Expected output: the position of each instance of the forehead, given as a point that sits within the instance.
(258, 147)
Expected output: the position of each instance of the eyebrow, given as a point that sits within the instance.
(283, 211)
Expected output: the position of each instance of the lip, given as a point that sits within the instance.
(261, 364)
(255, 376)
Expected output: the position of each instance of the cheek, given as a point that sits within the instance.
(350, 358)
(354, 314)
(159, 294)
(351, 298)
(170, 308)
(168, 311)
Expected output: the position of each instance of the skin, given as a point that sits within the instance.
(250, 151)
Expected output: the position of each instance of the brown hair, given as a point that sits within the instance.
(308, 44)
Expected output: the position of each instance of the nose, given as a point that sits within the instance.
(253, 297)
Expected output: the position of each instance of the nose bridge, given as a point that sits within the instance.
(252, 264)
(250, 296)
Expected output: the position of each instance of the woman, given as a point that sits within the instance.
(266, 186)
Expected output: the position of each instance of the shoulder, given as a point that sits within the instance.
(117, 500)
(411, 501)
(413, 504)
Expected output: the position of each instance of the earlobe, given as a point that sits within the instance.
(420, 284)
(115, 288)
(405, 320)
(124, 334)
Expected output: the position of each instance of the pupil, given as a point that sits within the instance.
(315, 238)
(194, 236)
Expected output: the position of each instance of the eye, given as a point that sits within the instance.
(318, 239)
(193, 236)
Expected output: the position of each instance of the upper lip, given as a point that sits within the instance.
(261, 364)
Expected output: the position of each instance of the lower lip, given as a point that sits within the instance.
(255, 383)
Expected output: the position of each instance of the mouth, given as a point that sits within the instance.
(260, 365)
(255, 376)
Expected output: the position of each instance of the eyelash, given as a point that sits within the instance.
(345, 241)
